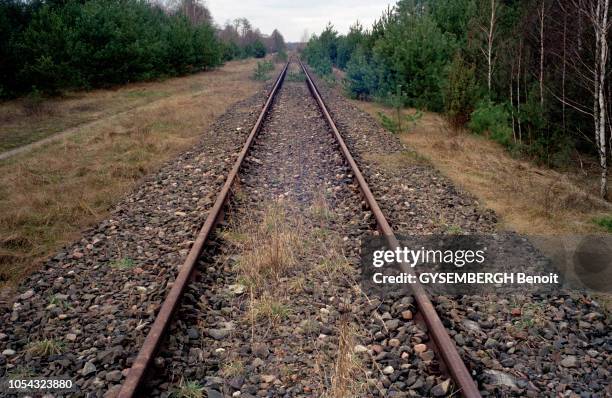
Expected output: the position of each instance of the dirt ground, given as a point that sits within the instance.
(49, 194)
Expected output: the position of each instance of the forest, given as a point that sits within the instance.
(530, 74)
(47, 46)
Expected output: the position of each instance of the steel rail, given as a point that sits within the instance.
(147, 352)
(447, 348)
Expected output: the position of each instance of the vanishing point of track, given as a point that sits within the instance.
(442, 341)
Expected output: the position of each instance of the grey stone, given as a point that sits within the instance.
(459, 339)
(193, 333)
(210, 393)
(569, 361)
(114, 375)
(88, 369)
(218, 334)
(260, 350)
(427, 355)
(392, 324)
(470, 325)
(497, 378)
(440, 390)
(236, 382)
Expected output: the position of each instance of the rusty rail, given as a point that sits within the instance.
(445, 345)
(147, 352)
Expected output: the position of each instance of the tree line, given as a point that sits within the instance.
(47, 46)
(243, 41)
(532, 74)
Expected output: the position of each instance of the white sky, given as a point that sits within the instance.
(292, 18)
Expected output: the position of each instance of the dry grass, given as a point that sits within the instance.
(269, 308)
(49, 195)
(344, 380)
(45, 347)
(32, 118)
(270, 249)
(232, 369)
(528, 199)
(320, 208)
(335, 265)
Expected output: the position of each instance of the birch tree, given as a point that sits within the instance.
(488, 29)
(588, 60)
(542, 16)
(600, 22)
(596, 12)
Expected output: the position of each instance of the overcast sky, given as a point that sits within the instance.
(291, 18)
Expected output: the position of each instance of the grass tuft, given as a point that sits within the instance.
(46, 347)
(188, 389)
(532, 315)
(320, 209)
(334, 265)
(454, 230)
(63, 304)
(270, 309)
(263, 70)
(124, 263)
(20, 372)
(271, 248)
(232, 369)
(298, 76)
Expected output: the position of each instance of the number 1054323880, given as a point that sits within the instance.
(39, 385)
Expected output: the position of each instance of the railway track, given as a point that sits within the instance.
(295, 184)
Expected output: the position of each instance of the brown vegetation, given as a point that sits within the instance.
(344, 382)
(270, 248)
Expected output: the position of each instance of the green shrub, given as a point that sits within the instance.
(34, 103)
(262, 70)
(259, 49)
(604, 222)
(413, 52)
(317, 56)
(281, 56)
(460, 91)
(360, 81)
(323, 67)
(399, 123)
(563, 149)
(230, 50)
(492, 119)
